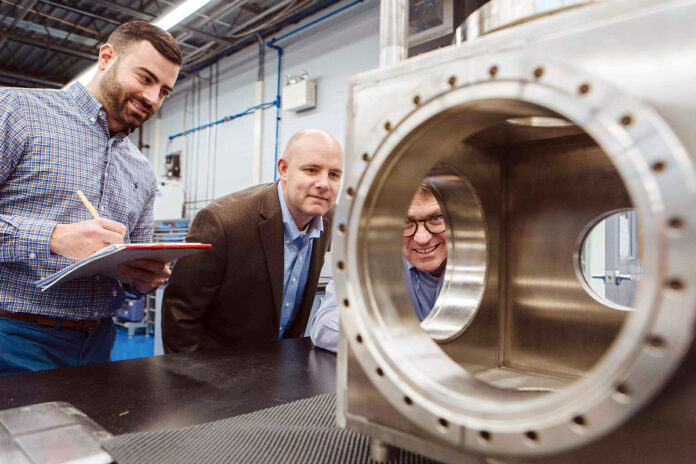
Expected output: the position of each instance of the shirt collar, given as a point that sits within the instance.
(415, 270)
(91, 107)
(316, 226)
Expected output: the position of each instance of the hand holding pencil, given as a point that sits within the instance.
(81, 239)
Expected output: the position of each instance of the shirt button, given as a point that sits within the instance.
(114, 292)
(294, 279)
(287, 241)
(32, 255)
(287, 304)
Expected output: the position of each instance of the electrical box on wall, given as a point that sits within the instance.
(300, 96)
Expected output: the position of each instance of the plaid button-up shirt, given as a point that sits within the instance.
(53, 143)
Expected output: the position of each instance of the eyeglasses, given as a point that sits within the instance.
(434, 224)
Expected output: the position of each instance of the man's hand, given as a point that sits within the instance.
(81, 239)
(146, 274)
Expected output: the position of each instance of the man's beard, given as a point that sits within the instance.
(116, 101)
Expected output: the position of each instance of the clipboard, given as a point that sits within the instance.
(105, 261)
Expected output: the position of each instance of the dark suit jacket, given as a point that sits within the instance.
(232, 292)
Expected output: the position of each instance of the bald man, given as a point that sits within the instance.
(259, 279)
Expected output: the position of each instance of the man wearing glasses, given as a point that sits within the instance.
(424, 255)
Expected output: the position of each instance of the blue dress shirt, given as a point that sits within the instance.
(296, 259)
(423, 290)
(52, 143)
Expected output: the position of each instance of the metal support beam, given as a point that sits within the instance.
(26, 6)
(23, 77)
(47, 44)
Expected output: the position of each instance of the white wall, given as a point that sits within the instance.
(218, 161)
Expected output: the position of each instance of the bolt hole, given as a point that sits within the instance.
(380, 372)
(340, 265)
(580, 421)
(623, 389)
(493, 70)
(584, 89)
(626, 120)
(443, 422)
(358, 338)
(675, 284)
(656, 341)
(342, 227)
(452, 80)
(387, 125)
(365, 157)
(658, 166)
(675, 223)
(532, 435)
(416, 100)
(486, 435)
(346, 303)
(350, 191)
(538, 72)
(408, 400)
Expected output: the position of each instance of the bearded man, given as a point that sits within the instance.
(52, 143)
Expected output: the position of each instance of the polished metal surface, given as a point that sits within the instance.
(526, 362)
(499, 14)
(393, 21)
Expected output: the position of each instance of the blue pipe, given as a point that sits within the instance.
(277, 104)
(225, 119)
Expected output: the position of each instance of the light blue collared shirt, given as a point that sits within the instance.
(423, 290)
(297, 257)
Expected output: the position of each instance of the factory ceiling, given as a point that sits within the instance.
(47, 43)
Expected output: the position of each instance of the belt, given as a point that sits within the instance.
(55, 322)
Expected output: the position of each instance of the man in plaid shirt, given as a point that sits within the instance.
(53, 143)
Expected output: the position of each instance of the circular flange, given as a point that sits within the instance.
(409, 368)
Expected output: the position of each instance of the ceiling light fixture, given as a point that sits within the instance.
(166, 22)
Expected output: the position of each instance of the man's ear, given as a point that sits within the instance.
(107, 55)
(282, 169)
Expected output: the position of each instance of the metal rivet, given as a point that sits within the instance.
(452, 80)
(387, 125)
(380, 372)
(340, 265)
(493, 70)
(486, 435)
(408, 400)
(584, 89)
(532, 435)
(675, 284)
(365, 157)
(416, 99)
(350, 191)
(346, 303)
(443, 422)
(626, 120)
(579, 420)
(538, 72)
(358, 338)
(342, 227)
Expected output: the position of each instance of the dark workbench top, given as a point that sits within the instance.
(177, 390)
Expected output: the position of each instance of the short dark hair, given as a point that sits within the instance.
(130, 33)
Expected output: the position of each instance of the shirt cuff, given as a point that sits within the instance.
(33, 239)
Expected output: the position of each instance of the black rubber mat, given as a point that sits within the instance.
(304, 431)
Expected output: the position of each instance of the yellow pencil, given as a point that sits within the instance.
(87, 204)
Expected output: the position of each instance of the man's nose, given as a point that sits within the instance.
(422, 234)
(322, 182)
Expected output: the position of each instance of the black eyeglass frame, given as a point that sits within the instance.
(425, 225)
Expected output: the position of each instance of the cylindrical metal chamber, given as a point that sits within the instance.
(526, 154)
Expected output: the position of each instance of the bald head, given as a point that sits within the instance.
(310, 138)
(310, 174)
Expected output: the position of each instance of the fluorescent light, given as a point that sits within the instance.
(179, 13)
(166, 22)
